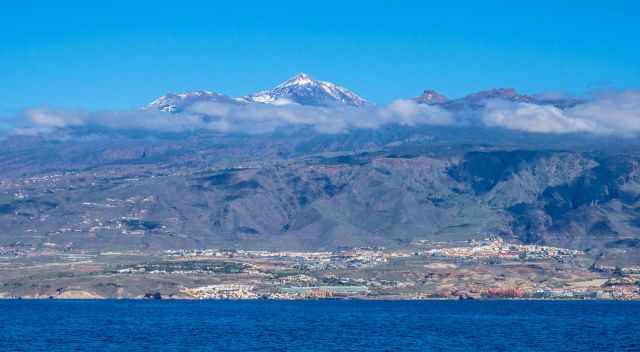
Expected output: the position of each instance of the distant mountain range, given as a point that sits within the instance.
(302, 89)
(479, 99)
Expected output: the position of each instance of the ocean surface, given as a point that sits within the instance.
(113, 325)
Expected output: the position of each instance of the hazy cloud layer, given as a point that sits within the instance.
(533, 118)
(238, 118)
(616, 113)
(611, 113)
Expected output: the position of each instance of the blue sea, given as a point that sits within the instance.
(115, 325)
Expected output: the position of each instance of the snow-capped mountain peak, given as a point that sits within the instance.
(300, 79)
(300, 89)
(304, 90)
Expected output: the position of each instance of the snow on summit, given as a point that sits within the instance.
(304, 90)
(300, 89)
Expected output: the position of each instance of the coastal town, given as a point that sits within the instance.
(474, 269)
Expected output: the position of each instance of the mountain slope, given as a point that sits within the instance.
(244, 192)
(430, 97)
(171, 102)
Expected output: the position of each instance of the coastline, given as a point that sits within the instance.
(380, 299)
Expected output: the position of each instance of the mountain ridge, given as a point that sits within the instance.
(302, 89)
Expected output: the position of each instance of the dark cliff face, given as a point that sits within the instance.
(313, 192)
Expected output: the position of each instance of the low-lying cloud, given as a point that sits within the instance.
(533, 118)
(614, 113)
(238, 118)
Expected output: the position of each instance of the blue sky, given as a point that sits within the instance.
(122, 54)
